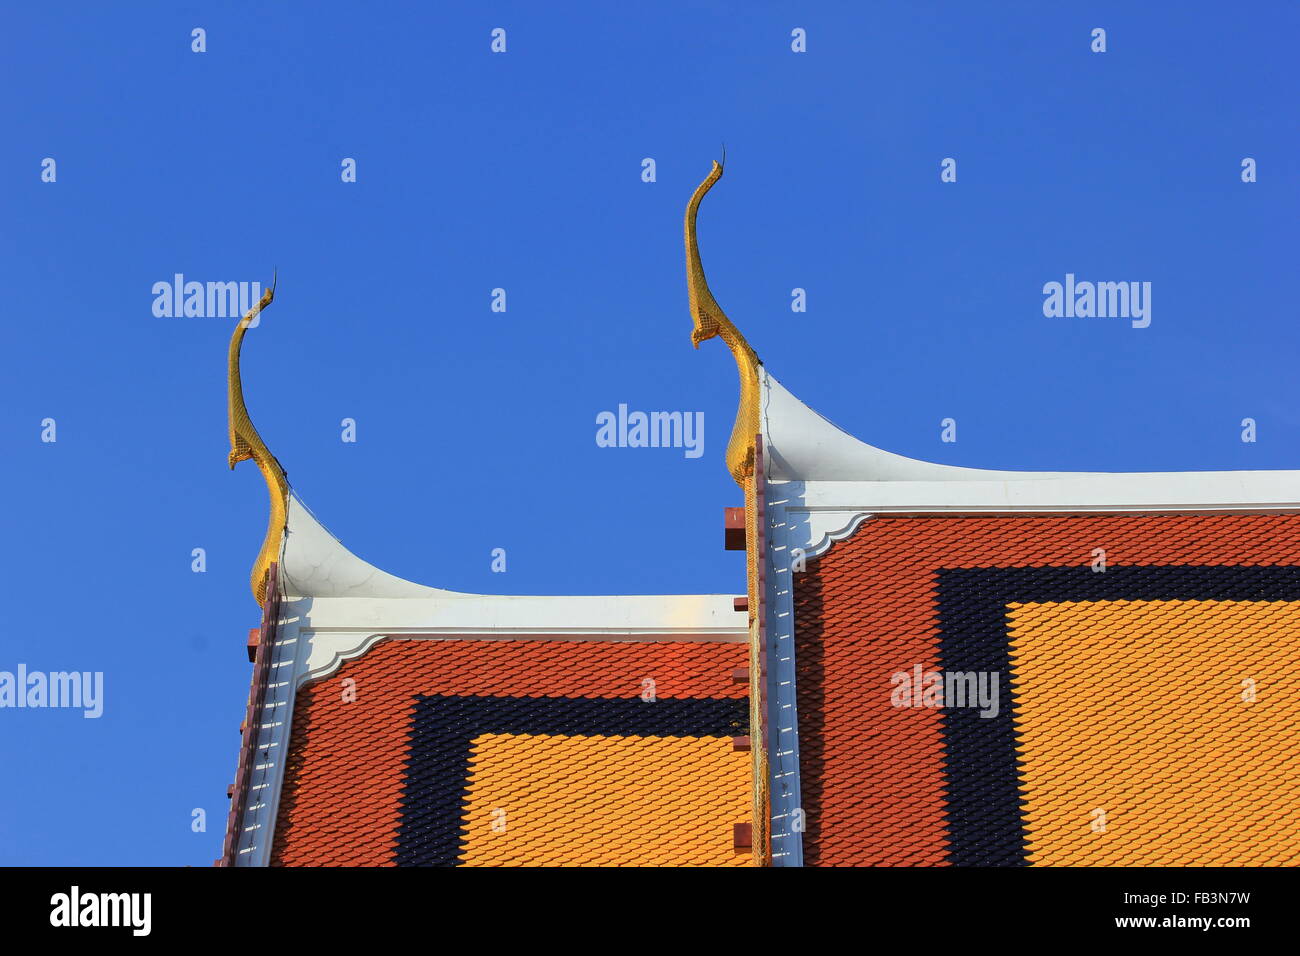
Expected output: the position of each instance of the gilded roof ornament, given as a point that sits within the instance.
(711, 321)
(246, 443)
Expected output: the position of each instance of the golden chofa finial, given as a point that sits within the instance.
(246, 443)
(711, 321)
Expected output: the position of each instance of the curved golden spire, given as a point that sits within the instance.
(711, 321)
(246, 443)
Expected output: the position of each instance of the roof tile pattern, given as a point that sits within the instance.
(603, 801)
(1195, 698)
(394, 757)
(884, 784)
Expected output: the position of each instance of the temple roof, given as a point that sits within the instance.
(393, 722)
(866, 567)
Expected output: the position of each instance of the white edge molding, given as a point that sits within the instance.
(829, 482)
(313, 563)
(342, 605)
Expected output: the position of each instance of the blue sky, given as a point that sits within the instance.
(523, 171)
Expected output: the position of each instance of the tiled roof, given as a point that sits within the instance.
(1147, 711)
(522, 752)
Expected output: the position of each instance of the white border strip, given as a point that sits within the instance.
(782, 710)
(266, 773)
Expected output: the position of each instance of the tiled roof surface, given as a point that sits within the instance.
(485, 752)
(1146, 712)
(577, 801)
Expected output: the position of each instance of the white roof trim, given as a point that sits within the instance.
(802, 445)
(316, 566)
(826, 469)
(314, 563)
(480, 615)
